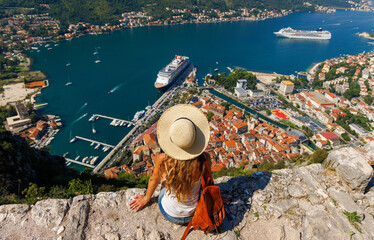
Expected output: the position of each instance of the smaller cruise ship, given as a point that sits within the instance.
(319, 34)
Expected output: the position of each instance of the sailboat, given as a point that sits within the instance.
(72, 139)
(96, 52)
(93, 128)
(68, 82)
(78, 156)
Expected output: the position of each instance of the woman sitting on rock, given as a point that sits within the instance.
(183, 134)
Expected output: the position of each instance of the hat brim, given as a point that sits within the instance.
(201, 126)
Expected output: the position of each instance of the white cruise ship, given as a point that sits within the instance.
(171, 72)
(303, 34)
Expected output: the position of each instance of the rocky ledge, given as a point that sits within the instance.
(306, 202)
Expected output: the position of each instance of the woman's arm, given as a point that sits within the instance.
(140, 201)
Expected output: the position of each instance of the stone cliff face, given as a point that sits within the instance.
(302, 203)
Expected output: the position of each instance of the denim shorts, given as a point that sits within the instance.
(177, 220)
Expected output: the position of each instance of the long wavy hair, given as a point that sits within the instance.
(180, 176)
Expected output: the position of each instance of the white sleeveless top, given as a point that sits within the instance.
(178, 209)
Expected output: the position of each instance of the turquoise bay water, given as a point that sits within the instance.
(131, 59)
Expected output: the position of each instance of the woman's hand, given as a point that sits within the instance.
(138, 202)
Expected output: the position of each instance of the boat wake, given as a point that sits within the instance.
(76, 120)
(335, 24)
(116, 88)
(84, 105)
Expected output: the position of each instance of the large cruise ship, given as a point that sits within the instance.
(171, 72)
(303, 34)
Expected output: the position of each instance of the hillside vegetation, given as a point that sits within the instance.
(108, 11)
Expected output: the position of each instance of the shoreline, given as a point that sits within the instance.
(312, 68)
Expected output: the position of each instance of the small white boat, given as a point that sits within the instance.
(84, 159)
(97, 61)
(68, 163)
(65, 154)
(68, 83)
(68, 64)
(94, 160)
(92, 144)
(76, 159)
(96, 53)
(73, 139)
(97, 146)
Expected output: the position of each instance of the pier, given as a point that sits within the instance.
(114, 150)
(93, 141)
(80, 163)
(112, 118)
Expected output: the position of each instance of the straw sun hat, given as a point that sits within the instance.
(183, 132)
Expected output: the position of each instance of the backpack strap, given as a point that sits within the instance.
(206, 176)
(187, 230)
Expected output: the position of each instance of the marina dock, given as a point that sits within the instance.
(80, 163)
(114, 150)
(93, 141)
(112, 118)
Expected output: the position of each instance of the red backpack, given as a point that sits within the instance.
(209, 212)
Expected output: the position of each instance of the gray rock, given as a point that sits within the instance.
(154, 235)
(292, 233)
(296, 191)
(309, 178)
(111, 236)
(352, 166)
(60, 230)
(345, 201)
(14, 212)
(319, 226)
(49, 212)
(368, 225)
(3, 213)
(140, 234)
(77, 221)
(107, 200)
(284, 205)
